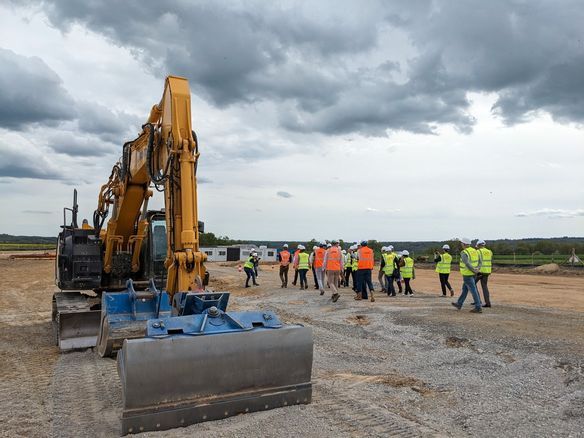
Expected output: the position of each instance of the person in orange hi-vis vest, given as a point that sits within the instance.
(284, 258)
(333, 264)
(364, 268)
(318, 263)
(295, 267)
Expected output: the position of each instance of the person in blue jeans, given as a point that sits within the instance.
(470, 266)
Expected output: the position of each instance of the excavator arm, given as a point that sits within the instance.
(164, 154)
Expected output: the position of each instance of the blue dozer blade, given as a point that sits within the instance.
(124, 315)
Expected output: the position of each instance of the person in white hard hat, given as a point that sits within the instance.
(470, 266)
(381, 274)
(485, 271)
(302, 265)
(312, 257)
(295, 269)
(248, 267)
(443, 260)
(284, 258)
(407, 271)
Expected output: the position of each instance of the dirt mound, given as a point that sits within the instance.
(550, 268)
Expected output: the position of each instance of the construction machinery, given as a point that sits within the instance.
(183, 358)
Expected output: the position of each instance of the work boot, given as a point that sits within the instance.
(256, 284)
(335, 297)
(247, 285)
(358, 297)
(322, 292)
(475, 310)
(456, 305)
(372, 299)
(487, 305)
(451, 293)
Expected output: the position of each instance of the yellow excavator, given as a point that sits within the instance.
(182, 357)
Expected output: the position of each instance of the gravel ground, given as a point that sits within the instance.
(397, 367)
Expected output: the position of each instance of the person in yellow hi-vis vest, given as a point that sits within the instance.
(407, 271)
(443, 261)
(485, 271)
(470, 265)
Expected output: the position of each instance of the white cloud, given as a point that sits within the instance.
(552, 213)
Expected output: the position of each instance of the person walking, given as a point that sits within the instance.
(485, 271)
(470, 265)
(256, 263)
(407, 271)
(295, 270)
(365, 265)
(333, 264)
(354, 269)
(318, 264)
(248, 267)
(302, 265)
(312, 256)
(381, 274)
(284, 259)
(443, 261)
(389, 262)
(397, 271)
(347, 265)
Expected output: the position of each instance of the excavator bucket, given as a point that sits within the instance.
(75, 320)
(213, 365)
(124, 315)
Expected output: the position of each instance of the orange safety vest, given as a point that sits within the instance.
(284, 258)
(333, 259)
(319, 257)
(365, 258)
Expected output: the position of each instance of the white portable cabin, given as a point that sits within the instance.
(239, 253)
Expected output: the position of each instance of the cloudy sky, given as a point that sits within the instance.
(362, 120)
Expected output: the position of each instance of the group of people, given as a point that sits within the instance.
(336, 268)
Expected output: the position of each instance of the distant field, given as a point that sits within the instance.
(25, 246)
(527, 260)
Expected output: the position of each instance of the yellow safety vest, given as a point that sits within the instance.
(487, 266)
(389, 258)
(249, 263)
(354, 263)
(407, 271)
(303, 260)
(348, 261)
(473, 256)
(443, 266)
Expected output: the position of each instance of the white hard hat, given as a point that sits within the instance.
(465, 240)
(481, 242)
(344, 252)
(405, 252)
(301, 247)
(390, 248)
(323, 242)
(285, 245)
(384, 248)
(328, 245)
(314, 248)
(446, 246)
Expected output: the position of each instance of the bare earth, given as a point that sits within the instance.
(397, 367)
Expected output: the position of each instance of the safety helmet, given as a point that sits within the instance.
(481, 242)
(390, 248)
(363, 243)
(301, 247)
(465, 240)
(405, 252)
(446, 246)
(285, 245)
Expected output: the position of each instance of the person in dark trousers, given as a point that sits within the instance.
(312, 256)
(470, 265)
(388, 261)
(485, 271)
(302, 265)
(284, 259)
(365, 265)
(397, 271)
(256, 263)
(295, 269)
(407, 271)
(348, 264)
(443, 261)
(249, 270)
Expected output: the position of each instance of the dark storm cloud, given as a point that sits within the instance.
(22, 163)
(337, 72)
(30, 92)
(115, 127)
(80, 145)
